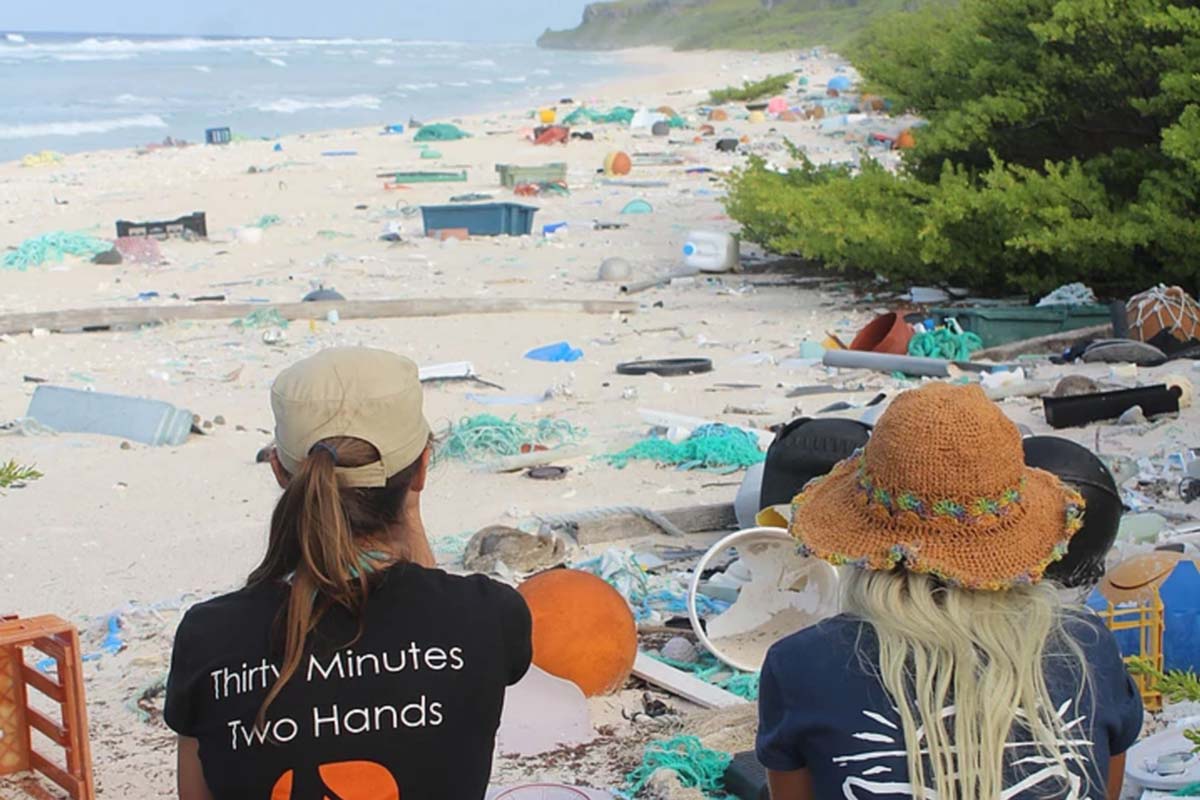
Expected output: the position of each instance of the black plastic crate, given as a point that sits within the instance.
(165, 229)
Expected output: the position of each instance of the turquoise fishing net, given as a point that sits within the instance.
(713, 447)
(52, 247)
(485, 437)
(696, 765)
(945, 343)
(707, 668)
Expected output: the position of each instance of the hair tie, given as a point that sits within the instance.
(327, 447)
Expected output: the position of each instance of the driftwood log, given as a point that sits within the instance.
(86, 319)
(690, 519)
(1042, 345)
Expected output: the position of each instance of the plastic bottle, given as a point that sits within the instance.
(151, 422)
(709, 251)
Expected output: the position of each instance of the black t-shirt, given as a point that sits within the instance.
(410, 709)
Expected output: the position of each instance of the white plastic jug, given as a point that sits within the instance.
(709, 251)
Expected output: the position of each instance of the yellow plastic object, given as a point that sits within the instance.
(1146, 617)
(757, 117)
(773, 517)
(547, 115)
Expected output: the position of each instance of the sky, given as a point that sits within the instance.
(460, 20)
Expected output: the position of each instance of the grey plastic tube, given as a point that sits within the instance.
(886, 362)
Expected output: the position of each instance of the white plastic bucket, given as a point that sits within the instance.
(709, 251)
(786, 592)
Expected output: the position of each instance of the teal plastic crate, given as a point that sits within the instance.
(481, 219)
(1004, 324)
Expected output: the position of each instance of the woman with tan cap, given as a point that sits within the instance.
(348, 667)
(954, 673)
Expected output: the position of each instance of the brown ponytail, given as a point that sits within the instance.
(316, 537)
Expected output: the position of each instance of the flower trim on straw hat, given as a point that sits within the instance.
(982, 509)
(909, 554)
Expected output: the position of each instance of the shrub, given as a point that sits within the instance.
(767, 87)
(1063, 144)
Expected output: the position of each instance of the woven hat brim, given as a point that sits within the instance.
(833, 521)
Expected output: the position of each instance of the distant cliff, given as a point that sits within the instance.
(703, 24)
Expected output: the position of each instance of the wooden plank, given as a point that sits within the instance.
(43, 684)
(680, 683)
(1042, 345)
(53, 731)
(93, 318)
(690, 519)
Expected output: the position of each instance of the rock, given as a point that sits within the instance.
(1133, 416)
(126, 446)
(615, 269)
(108, 257)
(519, 551)
(218, 420)
(1074, 385)
(680, 649)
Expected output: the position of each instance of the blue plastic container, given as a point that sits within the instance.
(218, 136)
(481, 219)
(151, 422)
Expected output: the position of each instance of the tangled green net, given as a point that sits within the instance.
(485, 437)
(711, 447)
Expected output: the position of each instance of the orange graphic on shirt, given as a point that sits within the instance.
(342, 780)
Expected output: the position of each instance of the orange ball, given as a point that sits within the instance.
(583, 630)
(717, 115)
(618, 164)
(905, 141)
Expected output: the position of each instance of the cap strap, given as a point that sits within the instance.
(327, 448)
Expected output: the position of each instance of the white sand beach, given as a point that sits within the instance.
(117, 527)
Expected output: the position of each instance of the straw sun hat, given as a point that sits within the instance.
(941, 488)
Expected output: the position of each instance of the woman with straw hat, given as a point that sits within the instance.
(348, 666)
(954, 672)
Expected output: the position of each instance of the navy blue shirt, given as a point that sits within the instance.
(820, 709)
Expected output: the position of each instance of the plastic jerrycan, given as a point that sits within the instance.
(709, 251)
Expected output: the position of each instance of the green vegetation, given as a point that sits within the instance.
(712, 24)
(1177, 686)
(767, 87)
(1063, 145)
(12, 474)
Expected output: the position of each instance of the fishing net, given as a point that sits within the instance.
(52, 247)
(710, 447)
(694, 764)
(485, 437)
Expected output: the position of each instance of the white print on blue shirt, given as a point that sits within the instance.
(865, 785)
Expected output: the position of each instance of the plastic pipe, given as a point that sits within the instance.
(885, 362)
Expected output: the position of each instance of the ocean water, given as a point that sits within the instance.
(73, 92)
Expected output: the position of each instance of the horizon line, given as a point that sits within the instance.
(256, 36)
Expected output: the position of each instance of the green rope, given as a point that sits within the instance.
(711, 447)
(485, 437)
(52, 247)
(696, 765)
(945, 343)
(707, 668)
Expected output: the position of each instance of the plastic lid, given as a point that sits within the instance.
(689, 249)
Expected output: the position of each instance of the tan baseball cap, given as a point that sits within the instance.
(358, 392)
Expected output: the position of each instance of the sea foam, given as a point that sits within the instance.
(290, 105)
(80, 127)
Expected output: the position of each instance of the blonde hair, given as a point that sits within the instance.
(985, 654)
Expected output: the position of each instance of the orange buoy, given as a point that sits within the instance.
(707, 130)
(717, 115)
(745, 140)
(617, 164)
(583, 630)
(905, 141)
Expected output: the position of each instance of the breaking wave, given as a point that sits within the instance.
(80, 127)
(290, 105)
